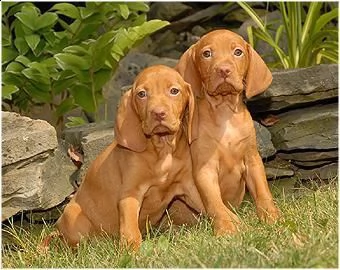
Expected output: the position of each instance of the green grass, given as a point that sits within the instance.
(306, 237)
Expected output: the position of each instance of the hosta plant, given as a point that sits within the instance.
(64, 56)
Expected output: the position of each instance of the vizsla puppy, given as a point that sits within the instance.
(221, 68)
(134, 179)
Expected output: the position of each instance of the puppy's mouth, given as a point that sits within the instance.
(225, 87)
(161, 130)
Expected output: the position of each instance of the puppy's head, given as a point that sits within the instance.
(223, 63)
(155, 105)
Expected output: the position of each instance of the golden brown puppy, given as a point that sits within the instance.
(221, 67)
(134, 179)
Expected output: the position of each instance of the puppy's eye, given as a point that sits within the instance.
(207, 54)
(142, 94)
(238, 52)
(174, 91)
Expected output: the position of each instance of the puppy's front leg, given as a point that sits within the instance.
(224, 221)
(258, 187)
(129, 206)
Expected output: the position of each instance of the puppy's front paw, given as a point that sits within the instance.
(268, 212)
(131, 240)
(226, 225)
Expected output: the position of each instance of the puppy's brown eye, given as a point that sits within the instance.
(238, 52)
(207, 54)
(142, 94)
(174, 91)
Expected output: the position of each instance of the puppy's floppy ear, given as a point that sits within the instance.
(128, 126)
(186, 66)
(192, 116)
(258, 75)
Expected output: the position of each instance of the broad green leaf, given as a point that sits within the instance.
(75, 121)
(8, 90)
(17, 8)
(6, 5)
(15, 67)
(37, 73)
(68, 27)
(101, 49)
(67, 9)
(76, 49)
(45, 20)
(83, 96)
(23, 60)
(9, 77)
(140, 6)
(101, 77)
(72, 62)
(64, 84)
(40, 67)
(8, 54)
(50, 38)
(28, 16)
(32, 41)
(34, 75)
(65, 106)
(124, 11)
(40, 92)
(6, 36)
(85, 12)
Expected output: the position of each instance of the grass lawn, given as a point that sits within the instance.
(306, 237)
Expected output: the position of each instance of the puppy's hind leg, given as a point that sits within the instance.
(73, 224)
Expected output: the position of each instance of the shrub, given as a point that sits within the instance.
(312, 37)
(64, 56)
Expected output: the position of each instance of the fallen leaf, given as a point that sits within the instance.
(269, 120)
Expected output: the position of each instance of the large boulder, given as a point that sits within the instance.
(35, 172)
(295, 87)
(90, 140)
(264, 142)
(309, 128)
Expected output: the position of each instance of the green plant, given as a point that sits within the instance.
(311, 36)
(64, 56)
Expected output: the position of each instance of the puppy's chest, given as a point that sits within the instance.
(233, 137)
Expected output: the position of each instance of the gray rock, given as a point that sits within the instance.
(39, 182)
(264, 143)
(167, 10)
(310, 128)
(311, 164)
(35, 173)
(304, 156)
(167, 44)
(92, 139)
(278, 168)
(327, 172)
(23, 137)
(94, 143)
(294, 87)
(194, 19)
